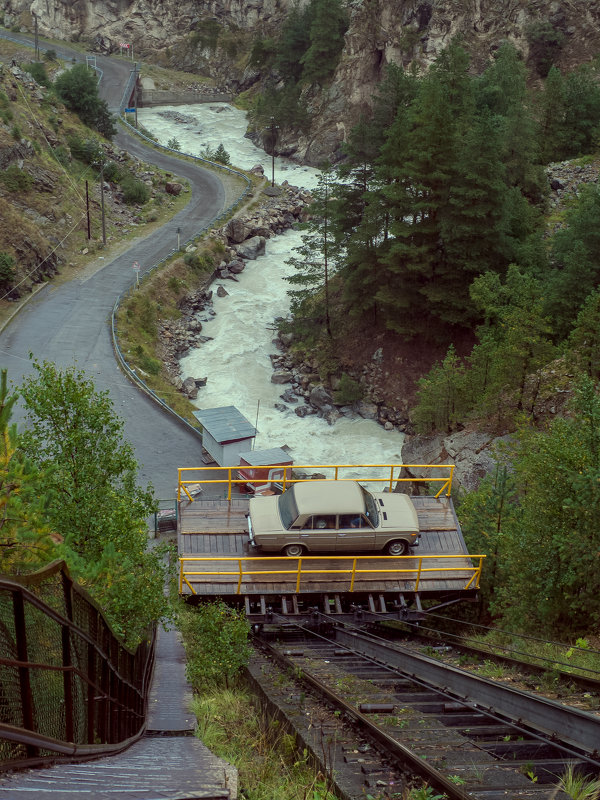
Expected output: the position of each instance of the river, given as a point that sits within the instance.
(236, 360)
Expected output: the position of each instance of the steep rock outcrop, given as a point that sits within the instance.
(381, 32)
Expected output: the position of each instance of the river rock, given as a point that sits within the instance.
(367, 410)
(331, 416)
(289, 396)
(279, 407)
(236, 267)
(173, 188)
(281, 376)
(190, 388)
(321, 399)
(304, 411)
(251, 248)
(222, 292)
(236, 230)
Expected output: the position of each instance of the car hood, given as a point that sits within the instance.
(264, 514)
(399, 510)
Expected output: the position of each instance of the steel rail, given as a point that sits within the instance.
(576, 728)
(398, 751)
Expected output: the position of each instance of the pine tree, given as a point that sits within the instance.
(551, 105)
(319, 255)
(328, 26)
(584, 340)
(576, 256)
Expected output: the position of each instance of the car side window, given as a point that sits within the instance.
(353, 521)
(324, 521)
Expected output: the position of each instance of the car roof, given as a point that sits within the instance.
(329, 497)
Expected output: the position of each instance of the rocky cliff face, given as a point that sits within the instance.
(380, 32)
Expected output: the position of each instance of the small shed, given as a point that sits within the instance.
(226, 433)
(259, 468)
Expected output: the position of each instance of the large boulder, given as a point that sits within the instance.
(251, 248)
(281, 376)
(470, 451)
(321, 399)
(236, 230)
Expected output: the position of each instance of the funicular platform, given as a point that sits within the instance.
(217, 561)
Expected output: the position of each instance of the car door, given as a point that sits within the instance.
(355, 534)
(318, 534)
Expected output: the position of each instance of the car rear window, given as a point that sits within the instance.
(371, 512)
(288, 510)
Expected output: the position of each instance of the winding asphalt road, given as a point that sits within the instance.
(69, 324)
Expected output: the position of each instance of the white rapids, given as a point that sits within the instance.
(236, 360)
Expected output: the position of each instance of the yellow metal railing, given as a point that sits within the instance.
(229, 476)
(244, 569)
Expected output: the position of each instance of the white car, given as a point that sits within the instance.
(333, 516)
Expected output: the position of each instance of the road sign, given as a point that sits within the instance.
(122, 44)
(136, 266)
(130, 110)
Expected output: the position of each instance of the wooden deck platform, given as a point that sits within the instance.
(212, 538)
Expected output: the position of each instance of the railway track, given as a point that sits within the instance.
(463, 735)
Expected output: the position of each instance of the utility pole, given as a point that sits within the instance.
(102, 203)
(37, 49)
(273, 136)
(87, 210)
(135, 87)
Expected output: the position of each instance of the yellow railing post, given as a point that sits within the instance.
(298, 576)
(240, 576)
(353, 574)
(419, 573)
(392, 478)
(180, 575)
(336, 474)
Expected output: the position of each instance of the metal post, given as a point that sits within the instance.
(24, 682)
(102, 203)
(178, 238)
(135, 87)
(87, 211)
(272, 151)
(37, 49)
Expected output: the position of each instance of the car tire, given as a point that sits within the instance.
(293, 550)
(399, 547)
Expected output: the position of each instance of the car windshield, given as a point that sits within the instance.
(288, 510)
(371, 512)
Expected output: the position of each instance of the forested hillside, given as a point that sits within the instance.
(437, 228)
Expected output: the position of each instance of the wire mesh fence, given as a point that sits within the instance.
(67, 684)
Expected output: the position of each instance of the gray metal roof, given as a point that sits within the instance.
(225, 424)
(264, 458)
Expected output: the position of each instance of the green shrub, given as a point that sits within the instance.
(202, 262)
(50, 55)
(16, 133)
(216, 640)
(113, 172)
(15, 179)
(4, 101)
(146, 362)
(7, 270)
(349, 391)
(38, 72)
(62, 155)
(86, 150)
(221, 155)
(135, 192)
(174, 144)
(6, 116)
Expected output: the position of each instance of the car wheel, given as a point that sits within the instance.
(397, 548)
(293, 550)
